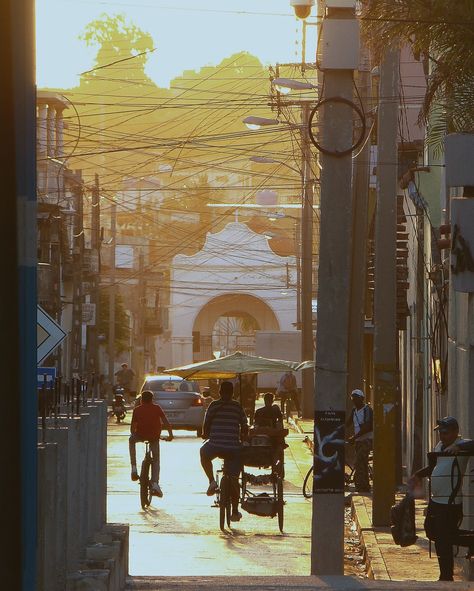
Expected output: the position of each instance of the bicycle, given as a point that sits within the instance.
(144, 479)
(349, 471)
(225, 482)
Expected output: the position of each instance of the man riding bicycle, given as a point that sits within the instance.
(147, 419)
(225, 426)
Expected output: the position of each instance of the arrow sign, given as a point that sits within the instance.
(48, 335)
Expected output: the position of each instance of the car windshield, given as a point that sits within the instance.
(171, 386)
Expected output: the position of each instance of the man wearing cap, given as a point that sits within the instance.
(362, 419)
(444, 514)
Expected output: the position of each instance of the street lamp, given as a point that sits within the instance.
(267, 160)
(286, 85)
(253, 122)
(302, 8)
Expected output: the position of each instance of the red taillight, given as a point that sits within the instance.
(197, 402)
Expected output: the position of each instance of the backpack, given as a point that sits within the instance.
(402, 521)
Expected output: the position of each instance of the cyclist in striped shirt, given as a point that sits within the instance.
(225, 426)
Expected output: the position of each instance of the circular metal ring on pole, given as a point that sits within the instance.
(354, 107)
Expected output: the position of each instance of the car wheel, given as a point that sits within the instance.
(199, 432)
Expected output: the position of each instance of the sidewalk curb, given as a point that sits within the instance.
(374, 562)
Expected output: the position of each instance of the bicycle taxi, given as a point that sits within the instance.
(261, 479)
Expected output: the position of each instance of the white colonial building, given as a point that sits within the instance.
(221, 296)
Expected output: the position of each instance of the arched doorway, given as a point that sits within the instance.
(228, 323)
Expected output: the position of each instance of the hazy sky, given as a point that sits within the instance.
(188, 34)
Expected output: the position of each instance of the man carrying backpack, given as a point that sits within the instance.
(288, 389)
(362, 420)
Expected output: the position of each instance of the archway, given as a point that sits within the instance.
(228, 323)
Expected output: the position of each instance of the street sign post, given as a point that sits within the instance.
(48, 334)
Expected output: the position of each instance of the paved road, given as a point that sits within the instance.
(179, 534)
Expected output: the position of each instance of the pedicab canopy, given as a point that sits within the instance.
(234, 365)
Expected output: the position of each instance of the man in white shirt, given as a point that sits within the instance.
(361, 418)
(444, 514)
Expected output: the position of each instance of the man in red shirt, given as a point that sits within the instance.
(147, 419)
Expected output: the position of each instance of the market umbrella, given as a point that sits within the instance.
(235, 365)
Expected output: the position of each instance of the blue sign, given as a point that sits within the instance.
(50, 373)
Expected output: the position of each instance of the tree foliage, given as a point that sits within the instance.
(118, 41)
(441, 32)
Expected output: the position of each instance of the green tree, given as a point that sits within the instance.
(118, 42)
(122, 327)
(441, 32)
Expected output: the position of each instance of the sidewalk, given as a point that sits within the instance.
(383, 558)
(306, 583)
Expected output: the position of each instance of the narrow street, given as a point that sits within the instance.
(179, 534)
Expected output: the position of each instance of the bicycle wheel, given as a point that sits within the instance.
(224, 502)
(308, 484)
(280, 503)
(145, 488)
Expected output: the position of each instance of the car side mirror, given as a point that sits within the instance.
(206, 392)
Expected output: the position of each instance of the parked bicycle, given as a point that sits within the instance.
(349, 471)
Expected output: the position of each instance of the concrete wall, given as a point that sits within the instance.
(72, 469)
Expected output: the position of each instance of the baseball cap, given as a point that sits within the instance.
(358, 393)
(446, 423)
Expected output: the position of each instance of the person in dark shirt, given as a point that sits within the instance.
(270, 414)
(225, 425)
(147, 419)
(268, 418)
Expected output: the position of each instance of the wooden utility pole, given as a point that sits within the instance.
(93, 332)
(112, 293)
(139, 345)
(336, 135)
(386, 391)
(75, 345)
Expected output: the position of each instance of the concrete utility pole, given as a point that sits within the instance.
(340, 48)
(307, 349)
(18, 311)
(386, 384)
(360, 201)
(112, 293)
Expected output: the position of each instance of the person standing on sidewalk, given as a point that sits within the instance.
(444, 514)
(288, 389)
(362, 420)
